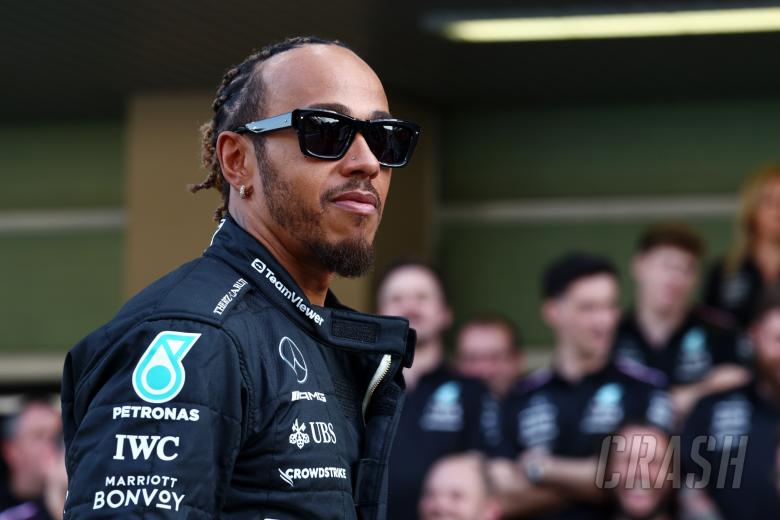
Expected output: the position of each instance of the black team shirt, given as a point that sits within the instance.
(691, 352)
(730, 446)
(445, 414)
(572, 419)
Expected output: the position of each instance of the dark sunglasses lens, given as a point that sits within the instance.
(325, 136)
(390, 143)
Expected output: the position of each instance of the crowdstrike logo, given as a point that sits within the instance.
(159, 375)
(295, 299)
(290, 475)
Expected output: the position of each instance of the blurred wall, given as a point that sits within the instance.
(521, 186)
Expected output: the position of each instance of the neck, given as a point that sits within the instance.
(427, 356)
(307, 273)
(657, 324)
(572, 366)
(769, 390)
(766, 254)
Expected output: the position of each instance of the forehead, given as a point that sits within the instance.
(669, 252)
(410, 279)
(484, 334)
(319, 75)
(456, 474)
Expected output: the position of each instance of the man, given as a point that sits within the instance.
(488, 348)
(641, 476)
(558, 418)
(32, 451)
(458, 487)
(237, 386)
(443, 413)
(730, 440)
(663, 332)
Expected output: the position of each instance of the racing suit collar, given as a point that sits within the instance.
(334, 324)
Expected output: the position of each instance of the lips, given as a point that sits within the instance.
(357, 202)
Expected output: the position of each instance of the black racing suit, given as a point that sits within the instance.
(219, 391)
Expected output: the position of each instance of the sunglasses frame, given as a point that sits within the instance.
(294, 120)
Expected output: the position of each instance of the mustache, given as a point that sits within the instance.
(353, 184)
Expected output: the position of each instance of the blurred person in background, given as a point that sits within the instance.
(458, 487)
(444, 411)
(735, 282)
(487, 347)
(730, 440)
(556, 421)
(664, 332)
(33, 452)
(640, 473)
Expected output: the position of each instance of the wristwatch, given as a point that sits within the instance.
(534, 471)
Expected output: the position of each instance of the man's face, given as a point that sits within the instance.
(641, 487)
(414, 293)
(586, 315)
(36, 442)
(324, 211)
(455, 491)
(485, 351)
(666, 276)
(766, 342)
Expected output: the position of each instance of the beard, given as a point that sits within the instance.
(350, 257)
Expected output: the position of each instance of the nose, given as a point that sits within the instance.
(360, 160)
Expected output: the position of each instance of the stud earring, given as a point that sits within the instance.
(244, 192)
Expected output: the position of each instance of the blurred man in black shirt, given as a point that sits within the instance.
(730, 441)
(443, 413)
(663, 332)
(557, 421)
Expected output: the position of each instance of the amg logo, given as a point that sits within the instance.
(144, 446)
(298, 395)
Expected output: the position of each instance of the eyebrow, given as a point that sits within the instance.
(343, 109)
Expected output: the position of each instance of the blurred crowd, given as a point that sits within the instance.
(668, 408)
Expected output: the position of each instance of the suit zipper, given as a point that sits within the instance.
(381, 372)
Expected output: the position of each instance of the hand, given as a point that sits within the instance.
(55, 484)
(683, 400)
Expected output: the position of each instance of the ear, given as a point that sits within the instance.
(237, 158)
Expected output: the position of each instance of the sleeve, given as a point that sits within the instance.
(154, 424)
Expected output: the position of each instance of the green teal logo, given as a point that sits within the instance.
(159, 375)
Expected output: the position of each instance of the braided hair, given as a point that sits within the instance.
(239, 100)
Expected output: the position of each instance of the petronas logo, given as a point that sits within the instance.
(159, 375)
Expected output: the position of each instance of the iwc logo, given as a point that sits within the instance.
(159, 375)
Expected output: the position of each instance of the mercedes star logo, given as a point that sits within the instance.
(293, 356)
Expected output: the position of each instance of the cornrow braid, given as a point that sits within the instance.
(238, 101)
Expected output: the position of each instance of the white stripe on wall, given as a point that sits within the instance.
(568, 210)
(64, 220)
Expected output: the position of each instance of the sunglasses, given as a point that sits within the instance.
(325, 134)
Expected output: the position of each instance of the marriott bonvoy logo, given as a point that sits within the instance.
(295, 299)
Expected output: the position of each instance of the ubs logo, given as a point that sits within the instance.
(292, 355)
